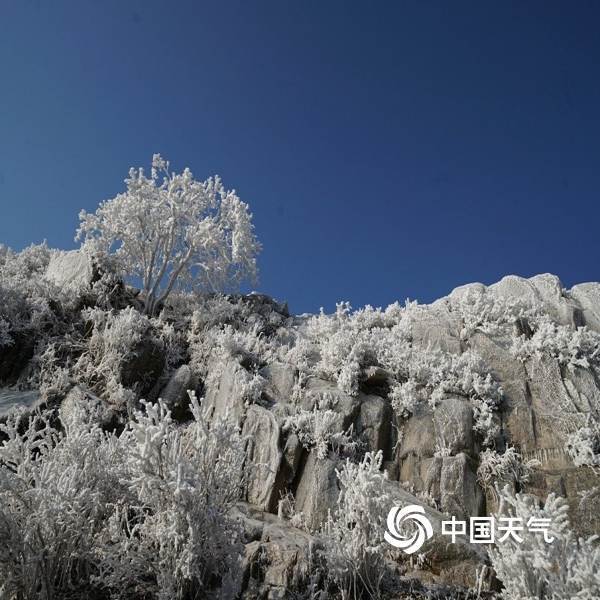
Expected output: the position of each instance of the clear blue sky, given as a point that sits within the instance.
(387, 149)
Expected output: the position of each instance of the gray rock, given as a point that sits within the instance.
(292, 453)
(419, 436)
(281, 378)
(555, 300)
(422, 475)
(588, 297)
(447, 558)
(324, 393)
(434, 326)
(12, 400)
(175, 393)
(263, 433)
(453, 419)
(554, 413)
(514, 287)
(375, 424)
(73, 269)
(461, 496)
(225, 395)
(280, 561)
(318, 491)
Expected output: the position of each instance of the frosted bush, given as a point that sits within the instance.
(482, 311)
(354, 546)
(572, 348)
(508, 467)
(319, 430)
(254, 388)
(5, 337)
(55, 494)
(583, 447)
(184, 482)
(212, 347)
(81, 507)
(113, 342)
(405, 397)
(24, 293)
(171, 231)
(348, 342)
(537, 569)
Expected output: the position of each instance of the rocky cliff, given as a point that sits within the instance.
(488, 392)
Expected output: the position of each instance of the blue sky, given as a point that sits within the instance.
(388, 150)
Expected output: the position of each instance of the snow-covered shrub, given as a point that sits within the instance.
(354, 546)
(131, 513)
(544, 566)
(25, 295)
(113, 341)
(406, 396)
(347, 342)
(482, 311)
(508, 467)
(221, 330)
(55, 495)
(572, 348)
(319, 430)
(5, 338)
(173, 233)
(286, 509)
(52, 379)
(177, 533)
(583, 447)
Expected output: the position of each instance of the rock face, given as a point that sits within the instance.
(175, 393)
(531, 382)
(262, 430)
(11, 400)
(73, 269)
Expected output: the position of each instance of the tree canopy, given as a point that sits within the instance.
(169, 230)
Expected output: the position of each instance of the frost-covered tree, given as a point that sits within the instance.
(169, 230)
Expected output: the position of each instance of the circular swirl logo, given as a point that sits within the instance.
(416, 516)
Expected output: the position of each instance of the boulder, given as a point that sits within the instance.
(453, 420)
(434, 326)
(326, 395)
(262, 430)
(292, 453)
(421, 475)
(460, 493)
(588, 297)
(375, 424)
(318, 490)
(418, 433)
(556, 302)
(13, 400)
(282, 558)
(554, 413)
(516, 288)
(175, 393)
(281, 378)
(225, 394)
(73, 269)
